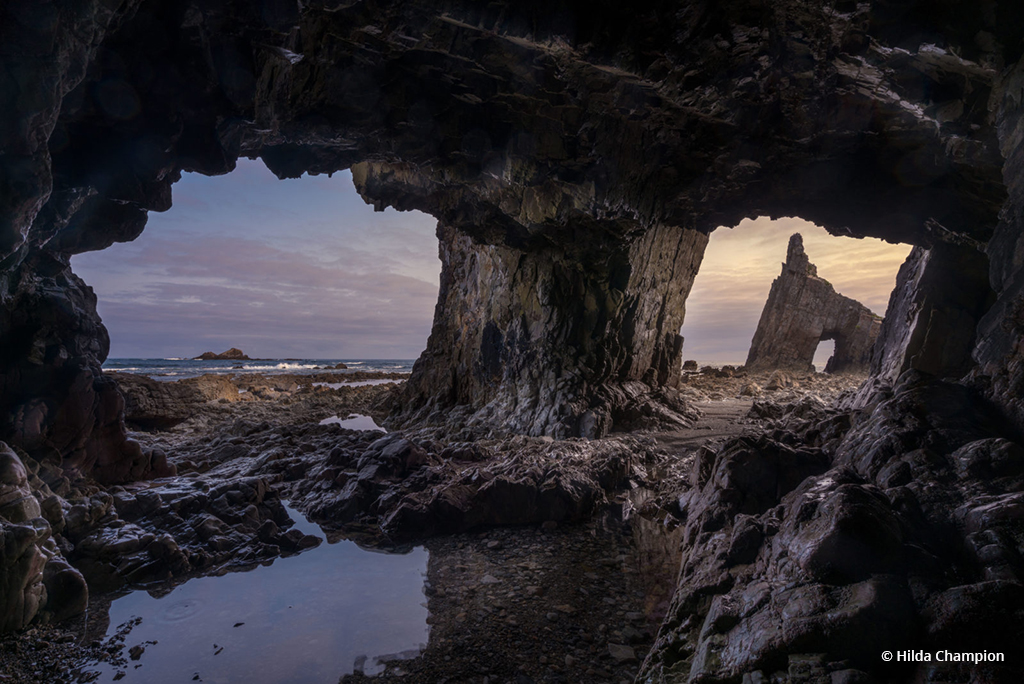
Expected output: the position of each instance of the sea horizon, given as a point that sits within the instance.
(178, 368)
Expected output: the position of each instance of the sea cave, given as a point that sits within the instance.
(568, 493)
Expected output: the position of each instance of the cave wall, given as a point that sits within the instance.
(931, 320)
(1000, 345)
(530, 128)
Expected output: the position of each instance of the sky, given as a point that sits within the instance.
(304, 268)
(278, 268)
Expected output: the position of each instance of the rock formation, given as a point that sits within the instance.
(591, 149)
(34, 577)
(153, 405)
(894, 529)
(576, 156)
(233, 354)
(802, 310)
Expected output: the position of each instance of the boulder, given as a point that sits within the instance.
(35, 580)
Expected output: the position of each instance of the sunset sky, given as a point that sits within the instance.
(303, 268)
(738, 269)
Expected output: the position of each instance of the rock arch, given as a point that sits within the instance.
(576, 159)
(802, 310)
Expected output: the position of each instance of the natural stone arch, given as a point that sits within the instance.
(588, 147)
(802, 310)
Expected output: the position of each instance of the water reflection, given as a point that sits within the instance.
(355, 421)
(306, 619)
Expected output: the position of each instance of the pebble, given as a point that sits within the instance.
(622, 653)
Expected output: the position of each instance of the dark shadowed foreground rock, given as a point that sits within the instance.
(405, 486)
(123, 536)
(36, 582)
(802, 310)
(804, 563)
(931, 320)
(153, 405)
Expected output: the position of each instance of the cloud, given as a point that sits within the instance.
(240, 290)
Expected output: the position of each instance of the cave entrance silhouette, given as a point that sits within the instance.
(741, 263)
(295, 268)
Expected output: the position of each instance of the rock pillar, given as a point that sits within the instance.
(562, 342)
(801, 311)
(932, 316)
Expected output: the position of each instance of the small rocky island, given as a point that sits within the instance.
(233, 354)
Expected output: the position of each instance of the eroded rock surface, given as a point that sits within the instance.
(891, 533)
(35, 579)
(801, 311)
(576, 156)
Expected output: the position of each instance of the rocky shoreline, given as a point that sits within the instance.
(573, 536)
(637, 556)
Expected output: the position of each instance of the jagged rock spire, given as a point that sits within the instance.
(801, 311)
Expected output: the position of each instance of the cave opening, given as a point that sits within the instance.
(733, 287)
(824, 351)
(294, 268)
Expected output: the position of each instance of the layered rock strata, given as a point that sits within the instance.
(559, 342)
(931, 321)
(578, 153)
(804, 309)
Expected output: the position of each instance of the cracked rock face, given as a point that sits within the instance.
(802, 310)
(900, 532)
(35, 579)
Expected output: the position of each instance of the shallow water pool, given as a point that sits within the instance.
(305, 619)
(354, 421)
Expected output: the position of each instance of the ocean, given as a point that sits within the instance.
(176, 369)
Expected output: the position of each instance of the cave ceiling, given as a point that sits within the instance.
(527, 124)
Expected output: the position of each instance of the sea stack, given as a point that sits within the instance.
(802, 310)
(233, 354)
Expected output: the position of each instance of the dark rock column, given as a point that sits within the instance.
(559, 342)
(933, 311)
(55, 403)
(1000, 345)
